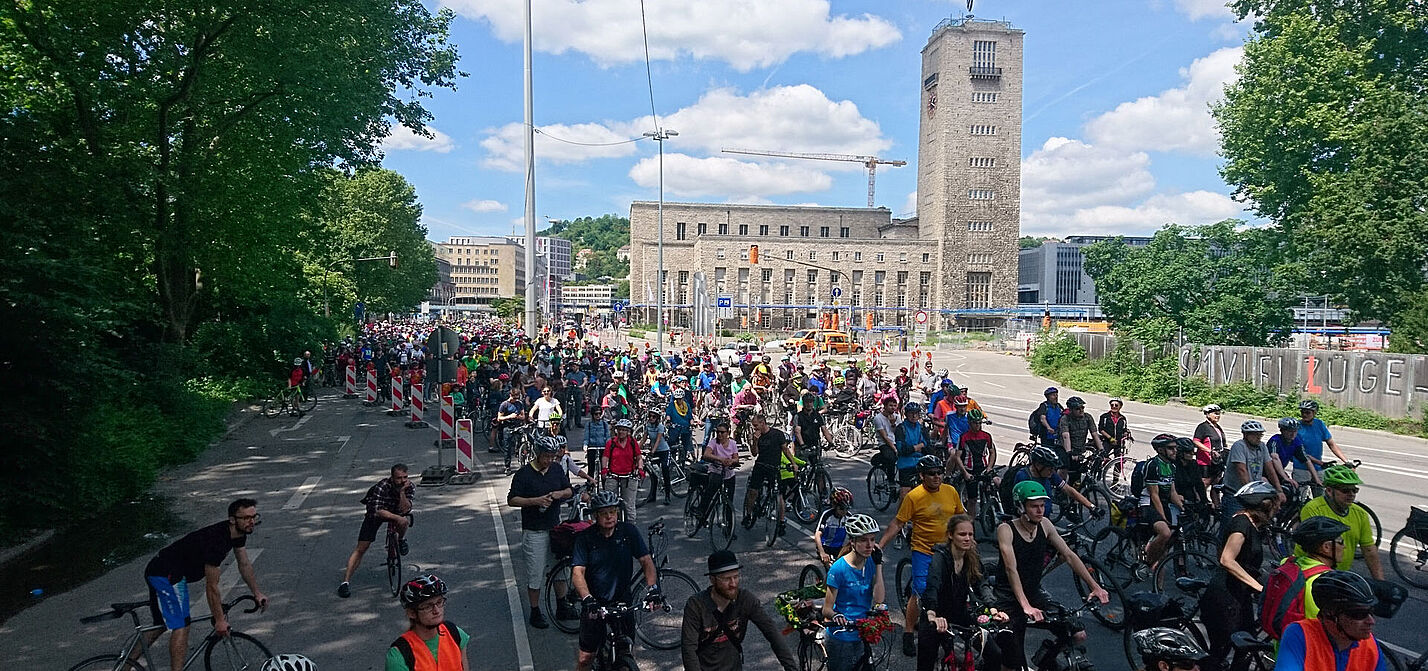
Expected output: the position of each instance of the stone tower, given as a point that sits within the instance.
(969, 161)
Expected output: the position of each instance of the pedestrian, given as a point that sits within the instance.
(537, 489)
(717, 619)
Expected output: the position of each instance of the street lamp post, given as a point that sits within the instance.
(660, 136)
(390, 258)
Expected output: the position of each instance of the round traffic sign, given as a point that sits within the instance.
(921, 317)
(837, 292)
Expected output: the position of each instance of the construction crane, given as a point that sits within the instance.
(869, 162)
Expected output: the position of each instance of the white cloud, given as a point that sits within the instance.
(1204, 9)
(401, 138)
(909, 206)
(1177, 119)
(739, 181)
(485, 206)
(505, 146)
(747, 34)
(1190, 209)
(783, 118)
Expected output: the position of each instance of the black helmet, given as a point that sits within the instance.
(931, 462)
(1170, 645)
(1046, 456)
(1318, 529)
(1337, 591)
(1075, 402)
(604, 499)
(1163, 441)
(421, 589)
(1186, 446)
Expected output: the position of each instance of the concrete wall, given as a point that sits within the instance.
(1390, 384)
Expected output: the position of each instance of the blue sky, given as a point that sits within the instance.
(1117, 136)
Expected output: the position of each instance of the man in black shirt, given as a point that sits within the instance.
(537, 489)
(810, 424)
(601, 571)
(193, 558)
(769, 445)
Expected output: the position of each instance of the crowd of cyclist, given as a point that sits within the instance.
(636, 413)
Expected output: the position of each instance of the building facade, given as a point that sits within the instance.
(1054, 273)
(484, 268)
(444, 291)
(957, 259)
(587, 297)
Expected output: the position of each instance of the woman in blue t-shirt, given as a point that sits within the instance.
(854, 585)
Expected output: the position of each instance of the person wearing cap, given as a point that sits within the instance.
(601, 571)
(679, 416)
(1341, 637)
(1046, 419)
(509, 417)
(1249, 460)
(538, 488)
(716, 622)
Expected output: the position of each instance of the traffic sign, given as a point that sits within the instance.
(837, 292)
(920, 317)
(725, 302)
(617, 306)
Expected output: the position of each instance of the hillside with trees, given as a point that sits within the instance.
(603, 236)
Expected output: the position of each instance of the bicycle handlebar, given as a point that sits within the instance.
(246, 597)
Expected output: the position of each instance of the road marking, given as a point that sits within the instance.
(343, 440)
(514, 591)
(229, 577)
(274, 433)
(302, 492)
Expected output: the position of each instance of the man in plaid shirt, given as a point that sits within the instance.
(387, 502)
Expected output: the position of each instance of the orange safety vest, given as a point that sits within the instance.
(1319, 651)
(448, 652)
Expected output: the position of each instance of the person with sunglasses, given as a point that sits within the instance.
(430, 641)
(1341, 637)
(1114, 428)
(927, 507)
(1341, 488)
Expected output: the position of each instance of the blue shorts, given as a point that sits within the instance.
(920, 563)
(169, 601)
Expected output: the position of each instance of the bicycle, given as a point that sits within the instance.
(1150, 609)
(1409, 550)
(1061, 652)
(649, 481)
(964, 646)
(766, 508)
(813, 656)
(1419, 663)
(1185, 554)
(813, 488)
(293, 400)
(1281, 530)
(616, 651)
(394, 556)
(716, 514)
(235, 651)
(1112, 614)
(883, 487)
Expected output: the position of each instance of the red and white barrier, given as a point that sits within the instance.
(397, 405)
(418, 404)
(464, 441)
(448, 419)
(350, 390)
(371, 388)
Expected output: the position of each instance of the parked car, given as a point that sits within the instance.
(823, 341)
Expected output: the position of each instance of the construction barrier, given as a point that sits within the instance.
(448, 420)
(397, 406)
(350, 390)
(418, 405)
(464, 440)
(371, 388)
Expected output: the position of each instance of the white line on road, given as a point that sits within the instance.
(514, 591)
(274, 433)
(343, 440)
(302, 492)
(229, 577)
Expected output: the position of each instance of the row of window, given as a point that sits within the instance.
(981, 194)
(789, 254)
(983, 129)
(981, 162)
(978, 291)
(681, 230)
(984, 96)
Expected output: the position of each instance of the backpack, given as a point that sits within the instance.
(1137, 479)
(1033, 422)
(1284, 596)
(1004, 490)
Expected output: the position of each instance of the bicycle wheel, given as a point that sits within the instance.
(822, 492)
(1101, 499)
(238, 652)
(557, 581)
(771, 504)
(646, 484)
(1116, 476)
(848, 440)
(394, 568)
(1377, 530)
(273, 407)
(305, 400)
(811, 656)
(1182, 564)
(904, 580)
(721, 522)
(678, 479)
(661, 628)
(691, 514)
(1111, 614)
(1118, 555)
(812, 574)
(1408, 556)
(106, 663)
(879, 493)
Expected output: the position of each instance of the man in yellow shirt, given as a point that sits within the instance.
(1341, 487)
(927, 507)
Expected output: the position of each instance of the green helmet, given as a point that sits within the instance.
(1341, 475)
(1029, 490)
(976, 415)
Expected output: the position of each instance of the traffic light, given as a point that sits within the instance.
(392, 259)
(754, 254)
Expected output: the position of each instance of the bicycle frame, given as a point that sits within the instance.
(137, 642)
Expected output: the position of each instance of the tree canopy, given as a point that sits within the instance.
(604, 236)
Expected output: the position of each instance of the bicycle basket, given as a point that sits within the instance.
(697, 475)
(1417, 527)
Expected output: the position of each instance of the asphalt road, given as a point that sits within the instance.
(308, 475)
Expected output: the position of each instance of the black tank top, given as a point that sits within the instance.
(1030, 558)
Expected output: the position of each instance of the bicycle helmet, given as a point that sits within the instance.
(946, 382)
(976, 415)
(1318, 529)
(288, 663)
(1045, 456)
(1170, 645)
(1186, 446)
(1075, 402)
(1050, 390)
(421, 589)
(297, 361)
(1288, 423)
(1337, 591)
(1162, 442)
(625, 424)
(1339, 476)
(1308, 404)
(1251, 426)
(678, 394)
(911, 408)
(860, 525)
(841, 497)
(1253, 494)
(943, 372)
(1029, 490)
(604, 499)
(560, 442)
(1213, 407)
(931, 462)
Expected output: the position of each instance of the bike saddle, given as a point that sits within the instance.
(116, 610)
(1192, 585)
(1243, 640)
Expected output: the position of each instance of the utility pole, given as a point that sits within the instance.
(529, 133)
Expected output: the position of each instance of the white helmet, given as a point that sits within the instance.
(860, 525)
(288, 663)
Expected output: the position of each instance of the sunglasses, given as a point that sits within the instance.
(937, 474)
(1358, 614)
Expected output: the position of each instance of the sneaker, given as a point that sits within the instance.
(537, 620)
(781, 529)
(666, 498)
(344, 590)
(748, 521)
(566, 611)
(909, 644)
(403, 548)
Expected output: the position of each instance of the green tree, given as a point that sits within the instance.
(1214, 282)
(1326, 134)
(509, 307)
(1031, 241)
(367, 214)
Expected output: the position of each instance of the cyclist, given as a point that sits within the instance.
(1341, 487)
(596, 435)
(722, 454)
(387, 502)
(601, 571)
(1341, 637)
(509, 417)
(537, 489)
(1077, 430)
(1024, 543)
(1237, 580)
(1113, 427)
(955, 589)
(679, 417)
(717, 619)
(575, 381)
(1165, 649)
(1047, 417)
(1189, 474)
(621, 463)
(1043, 470)
(958, 422)
(1211, 439)
(1249, 460)
(927, 507)
(1314, 433)
(770, 445)
(655, 433)
(1160, 503)
(810, 427)
(297, 375)
(431, 641)
(974, 453)
(910, 446)
(830, 535)
(1317, 547)
(197, 556)
(1289, 448)
(288, 663)
(854, 587)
